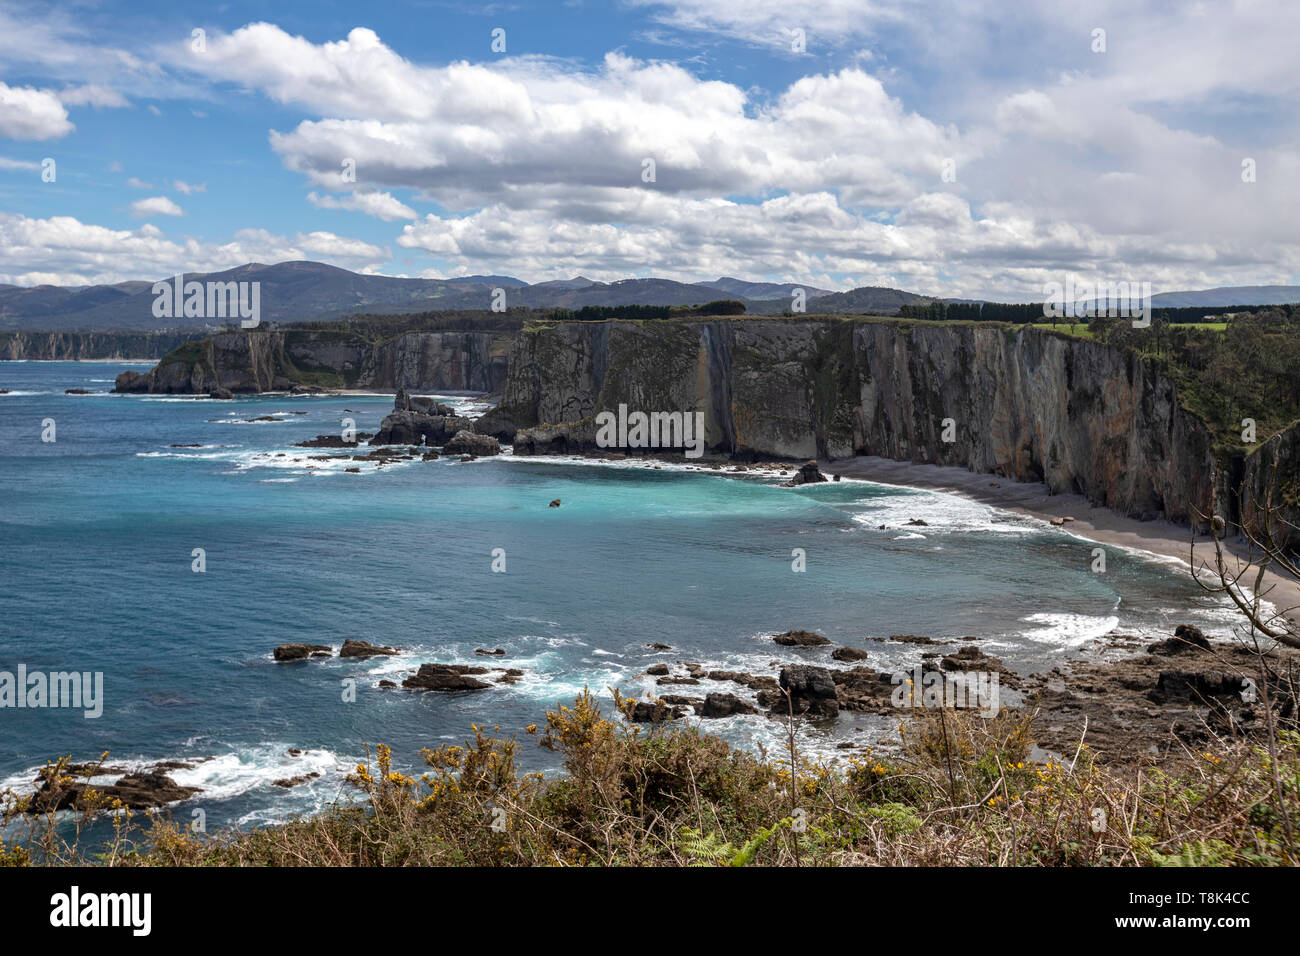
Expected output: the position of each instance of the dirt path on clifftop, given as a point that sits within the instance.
(1102, 525)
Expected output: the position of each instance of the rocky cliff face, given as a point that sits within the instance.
(1025, 404)
(260, 361)
(82, 346)
(1269, 483)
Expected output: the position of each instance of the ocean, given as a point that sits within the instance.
(99, 527)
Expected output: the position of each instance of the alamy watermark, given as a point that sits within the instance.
(80, 690)
(1082, 299)
(638, 429)
(175, 298)
(972, 690)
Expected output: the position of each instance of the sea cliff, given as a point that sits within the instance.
(1022, 403)
(86, 346)
(261, 361)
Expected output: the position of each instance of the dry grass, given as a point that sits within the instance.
(960, 792)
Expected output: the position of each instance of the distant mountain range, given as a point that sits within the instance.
(1229, 295)
(301, 291)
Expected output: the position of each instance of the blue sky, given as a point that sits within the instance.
(934, 146)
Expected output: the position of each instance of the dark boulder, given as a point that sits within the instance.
(466, 442)
(848, 654)
(300, 652)
(653, 712)
(864, 690)
(353, 648)
(500, 423)
(425, 406)
(131, 382)
(800, 639)
(811, 690)
(725, 705)
(418, 428)
(807, 474)
(218, 391)
(1187, 639)
(144, 790)
(287, 782)
(446, 677)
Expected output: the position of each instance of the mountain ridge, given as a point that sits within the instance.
(305, 290)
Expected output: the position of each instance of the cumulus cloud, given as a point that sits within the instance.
(381, 205)
(189, 189)
(28, 113)
(63, 250)
(465, 132)
(155, 206)
(546, 166)
(979, 173)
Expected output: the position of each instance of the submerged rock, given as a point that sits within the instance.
(446, 677)
(300, 652)
(287, 782)
(333, 441)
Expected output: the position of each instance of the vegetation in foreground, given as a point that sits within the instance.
(961, 791)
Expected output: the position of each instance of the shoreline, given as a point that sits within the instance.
(1097, 523)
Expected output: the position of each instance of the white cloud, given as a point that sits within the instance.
(189, 189)
(7, 163)
(91, 94)
(62, 250)
(465, 134)
(378, 204)
(135, 183)
(27, 113)
(155, 206)
(770, 22)
(1127, 161)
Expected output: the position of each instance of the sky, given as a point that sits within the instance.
(939, 146)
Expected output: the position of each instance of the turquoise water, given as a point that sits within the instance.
(97, 531)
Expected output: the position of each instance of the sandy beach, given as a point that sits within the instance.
(1163, 538)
